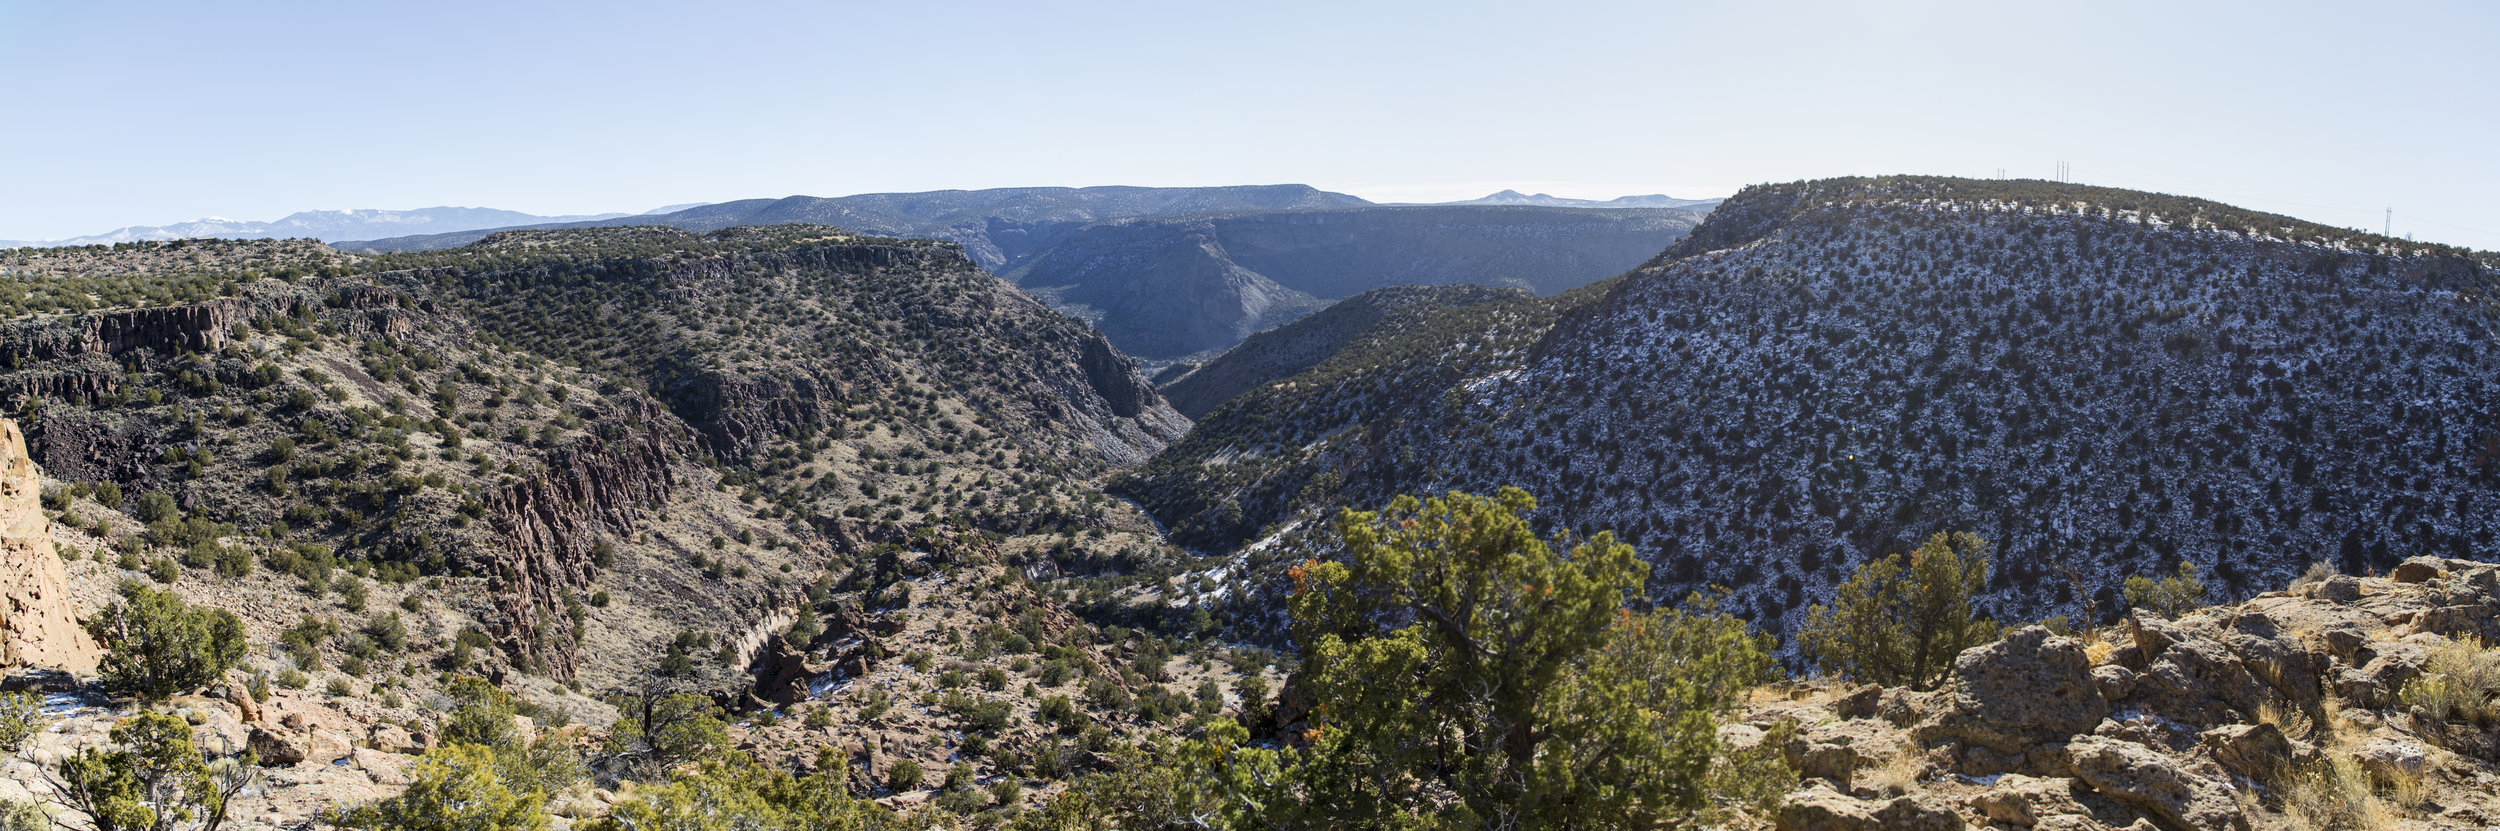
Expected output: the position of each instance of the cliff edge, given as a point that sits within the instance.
(38, 624)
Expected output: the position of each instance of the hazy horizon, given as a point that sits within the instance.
(155, 113)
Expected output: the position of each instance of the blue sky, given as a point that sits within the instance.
(150, 113)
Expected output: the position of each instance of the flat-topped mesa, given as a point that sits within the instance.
(38, 623)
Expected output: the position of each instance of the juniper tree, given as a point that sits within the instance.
(1900, 623)
(1449, 646)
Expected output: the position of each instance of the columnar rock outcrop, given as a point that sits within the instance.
(198, 327)
(38, 625)
(547, 524)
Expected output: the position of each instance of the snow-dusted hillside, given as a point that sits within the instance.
(2103, 382)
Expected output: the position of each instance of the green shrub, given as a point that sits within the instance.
(456, 788)
(904, 775)
(233, 561)
(1588, 707)
(158, 645)
(21, 718)
(2170, 596)
(977, 715)
(655, 731)
(387, 631)
(152, 778)
(1060, 711)
(157, 507)
(1902, 625)
(733, 792)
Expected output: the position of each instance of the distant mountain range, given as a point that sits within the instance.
(999, 227)
(955, 215)
(1655, 200)
(328, 225)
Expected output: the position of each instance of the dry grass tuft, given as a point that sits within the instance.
(2460, 682)
(2335, 795)
(2317, 573)
(2292, 722)
(2098, 651)
(1899, 773)
(2409, 791)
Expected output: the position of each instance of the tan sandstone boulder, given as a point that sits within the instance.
(38, 623)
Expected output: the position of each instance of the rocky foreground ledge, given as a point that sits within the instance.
(2344, 703)
(2347, 702)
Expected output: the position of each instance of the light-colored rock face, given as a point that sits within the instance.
(38, 623)
(2228, 717)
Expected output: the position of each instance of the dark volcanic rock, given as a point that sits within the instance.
(2031, 688)
(734, 412)
(1114, 377)
(197, 327)
(548, 523)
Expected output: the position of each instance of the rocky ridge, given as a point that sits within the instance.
(1289, 350)
(2306, 708)
(447, 467)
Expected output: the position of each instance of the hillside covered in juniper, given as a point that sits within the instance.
(677, 421)
(2103, 382)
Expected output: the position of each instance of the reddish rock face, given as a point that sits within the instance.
(38, 625)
